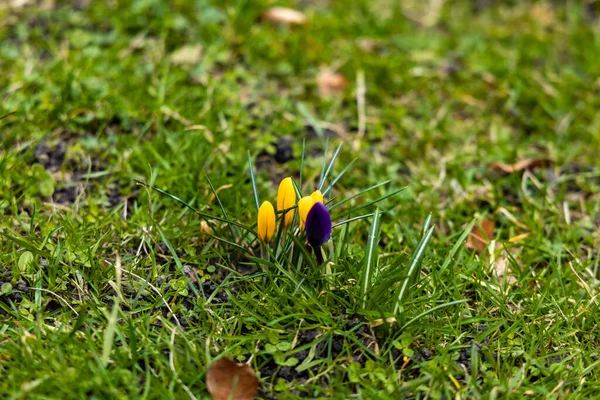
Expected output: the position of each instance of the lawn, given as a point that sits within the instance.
(137, 139)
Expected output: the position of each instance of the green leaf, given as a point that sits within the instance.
(6, 288)
(290, 362)
(47, 186)
(415, 264)
(25, 261)
(251, 168)
(369, 269)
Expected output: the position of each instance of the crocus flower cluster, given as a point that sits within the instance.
(313, 216)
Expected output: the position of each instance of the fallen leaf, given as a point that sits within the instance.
(227, 380)
(330, 83)
(193, 274)
(212, 196)
(284, 16)
(518, 238)
(502, 270)
(205, 228)
(187, 55)
(380, 321)
(480, 236)
(528, 163)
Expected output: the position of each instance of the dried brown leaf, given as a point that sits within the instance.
(330, 83)
(284, 16)
(528, 163)
(212, 196)
(381, 321)
(205, 228)
(227, 380)
(480, 236)
(501, 267)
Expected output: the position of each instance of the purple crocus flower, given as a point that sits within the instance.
(318, 228)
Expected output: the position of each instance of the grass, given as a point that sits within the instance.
(125, 129)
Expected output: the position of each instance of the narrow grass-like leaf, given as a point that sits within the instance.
(310, 259)
(415, 264)
(200, 213)
(329, 167)
(369, 268)
(342, 242)
(305, 288)
(6, 115)
(302, 163)
(347, 221)
(423, 314)
(426, 225)
(27, 246)
(459, 243)
(109, 333)
(323, 164)
(387, 196)
(253, 179)
(338, 177)
(171, 249)
(212, 188)
(305, 112)
(347, 199)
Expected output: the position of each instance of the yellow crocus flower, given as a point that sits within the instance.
(266, 221)
(286, 198)
(304, 206)
(317, 196)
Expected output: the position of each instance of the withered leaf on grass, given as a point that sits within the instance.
(480, 236)
(330, 83)
(187, 55)
(502, 269)
(227, 380)
(284, 16)
(528, 163)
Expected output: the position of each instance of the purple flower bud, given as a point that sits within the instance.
(318, 226)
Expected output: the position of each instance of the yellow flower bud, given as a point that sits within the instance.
(304, 206)
(286, 198)
(266, 221)
(317, 196)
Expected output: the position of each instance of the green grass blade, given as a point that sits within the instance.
(338, 177)
(171, 249)
(387, 196)
(347, 199)
(323, 164)
(433, 309)
(109, 333)
(212, 188)
(415, 264)
(302, 163)
(459, 243)
(253, 179)
(347, 221)
(329, 167)
(200, 213)
(369, 269)
(310, 118)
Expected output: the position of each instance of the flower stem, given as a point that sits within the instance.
(318, 255)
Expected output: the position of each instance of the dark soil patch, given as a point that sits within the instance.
(50, 156)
